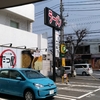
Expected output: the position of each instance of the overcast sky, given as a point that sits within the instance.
(81, 14)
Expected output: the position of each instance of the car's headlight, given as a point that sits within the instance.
(38, 85)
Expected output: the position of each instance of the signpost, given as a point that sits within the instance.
(53, 20)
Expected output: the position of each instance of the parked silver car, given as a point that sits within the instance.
(67, 70)
(83, 69)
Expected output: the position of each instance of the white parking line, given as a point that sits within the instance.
(72, 89)
(64, 97)
(88, 93)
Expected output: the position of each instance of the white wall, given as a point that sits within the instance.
(6, 17)
(17, 37)
(47, 69)
(43, 42)
(25, 11)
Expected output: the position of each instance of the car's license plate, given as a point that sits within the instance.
(51, 91)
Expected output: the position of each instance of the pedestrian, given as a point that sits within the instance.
(64, 75)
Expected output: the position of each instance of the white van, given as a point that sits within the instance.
(83, 69)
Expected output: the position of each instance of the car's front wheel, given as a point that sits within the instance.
(29, 95)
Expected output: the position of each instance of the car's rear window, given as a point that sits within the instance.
(32, 74)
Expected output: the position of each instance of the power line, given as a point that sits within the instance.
(55, 7)
(83, 1)
(86, 23)
(42, 12)
(86, 8)
(82, 10)
(79, 4)
(85, 18)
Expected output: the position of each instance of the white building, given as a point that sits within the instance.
(16, 28)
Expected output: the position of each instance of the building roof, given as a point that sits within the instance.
(12, 3)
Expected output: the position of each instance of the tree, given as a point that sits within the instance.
(73, 44)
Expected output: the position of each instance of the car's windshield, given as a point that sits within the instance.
(32, 74)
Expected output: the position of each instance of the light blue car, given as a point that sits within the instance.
(26, 83)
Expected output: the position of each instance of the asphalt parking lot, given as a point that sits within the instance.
(79, 88)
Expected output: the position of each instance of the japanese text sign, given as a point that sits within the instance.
(52, 19)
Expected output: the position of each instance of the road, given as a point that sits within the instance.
(80, 88)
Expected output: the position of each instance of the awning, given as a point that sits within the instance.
(12, 3)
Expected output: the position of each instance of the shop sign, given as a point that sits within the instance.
(52, 19)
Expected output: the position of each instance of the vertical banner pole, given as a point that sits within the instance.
(54, 75)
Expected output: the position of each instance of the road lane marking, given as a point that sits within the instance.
(96, 74)
(64, 98)
(73, 85)
(75, 98)
(88, 93)
(73, 89)
(85, 83)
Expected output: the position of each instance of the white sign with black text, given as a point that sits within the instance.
(57, 38)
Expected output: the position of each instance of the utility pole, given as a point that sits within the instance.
(62, 28)
(62, 35)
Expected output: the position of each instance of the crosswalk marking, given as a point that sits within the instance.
(80, 85)
(78, 90)
(66, 97)
(96, 84)
(73, 87)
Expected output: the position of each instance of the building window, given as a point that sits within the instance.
(14, 24)
(83, 50)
